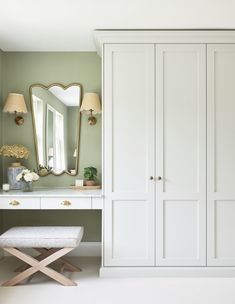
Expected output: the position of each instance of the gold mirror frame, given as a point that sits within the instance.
(34, 126)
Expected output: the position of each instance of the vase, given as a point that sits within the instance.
(90, 183)
(27, 186)
(12, 171)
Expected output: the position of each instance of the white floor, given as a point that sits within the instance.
(94, 290)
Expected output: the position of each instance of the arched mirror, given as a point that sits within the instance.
(56, 122)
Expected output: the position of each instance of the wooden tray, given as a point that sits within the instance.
(85, 187)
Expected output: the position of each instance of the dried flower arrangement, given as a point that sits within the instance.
(17, 151)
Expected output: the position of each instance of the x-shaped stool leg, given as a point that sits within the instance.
(44, 252)
(65, 263)
(40, 266)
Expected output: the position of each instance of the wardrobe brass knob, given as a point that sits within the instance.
(158, 178)
(14, 203)
(66, 203)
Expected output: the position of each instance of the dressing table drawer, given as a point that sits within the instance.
(20, 203)
(65, 203)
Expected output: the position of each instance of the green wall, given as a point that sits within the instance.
(89, 219)
(1, 102)
(22, 69)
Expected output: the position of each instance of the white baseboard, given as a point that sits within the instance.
(87, 249)
(90, 249)
(118, 272)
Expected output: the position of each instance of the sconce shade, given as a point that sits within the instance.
(91, 102)
(15, 103)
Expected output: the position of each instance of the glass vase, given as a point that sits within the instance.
(27, 186)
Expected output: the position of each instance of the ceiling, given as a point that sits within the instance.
(67, 25)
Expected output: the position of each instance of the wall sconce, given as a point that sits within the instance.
(91, 105)
(15, 104)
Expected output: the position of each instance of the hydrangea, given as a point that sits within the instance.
(35, 176)
(27, 176)
(17, 151)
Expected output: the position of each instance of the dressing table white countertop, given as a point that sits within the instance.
(52, 192)
(51, 198)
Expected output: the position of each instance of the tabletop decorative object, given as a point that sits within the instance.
(44, 170)
(90, 174)
(5, 187)
(26, 177)
(16, 152)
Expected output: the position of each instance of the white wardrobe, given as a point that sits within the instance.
(168, 149)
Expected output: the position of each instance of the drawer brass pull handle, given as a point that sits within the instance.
(14, 203)
(66, 203)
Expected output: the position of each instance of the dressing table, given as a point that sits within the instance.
(56, 124)
(56, 121)
(51, 199)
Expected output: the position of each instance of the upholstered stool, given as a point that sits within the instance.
(51, 242)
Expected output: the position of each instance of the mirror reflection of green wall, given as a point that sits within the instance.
(56, 120)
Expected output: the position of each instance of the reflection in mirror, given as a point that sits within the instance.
(56, 120)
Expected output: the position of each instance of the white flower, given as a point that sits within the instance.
(28, 177)
(18, 177)
(35, 176)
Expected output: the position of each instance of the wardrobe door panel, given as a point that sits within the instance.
(130, 230)
(181, 154)
(129, 155)
(221, 154)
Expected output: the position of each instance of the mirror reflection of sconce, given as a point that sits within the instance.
(91, 105)
(15, 104)
(50, 156)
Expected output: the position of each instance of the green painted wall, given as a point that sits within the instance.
(1, 102)
(89, 219)
(22, 69)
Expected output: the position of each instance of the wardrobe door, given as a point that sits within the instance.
(128, 154)
(221, 154)
(181, 154)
